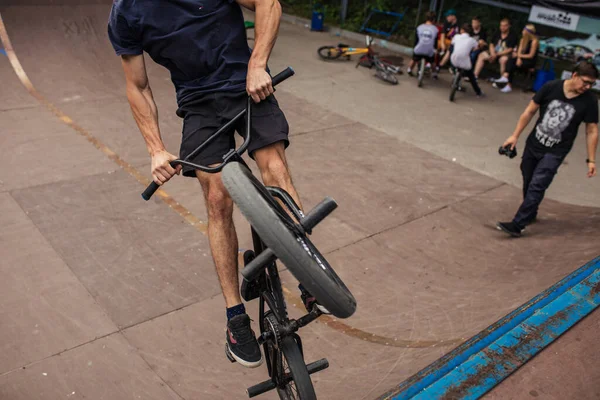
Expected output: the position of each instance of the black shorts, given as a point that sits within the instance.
(214, 110)
(419, 57)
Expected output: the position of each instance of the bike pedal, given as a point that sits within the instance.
(228, 354)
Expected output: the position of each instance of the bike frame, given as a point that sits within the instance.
(349, 51)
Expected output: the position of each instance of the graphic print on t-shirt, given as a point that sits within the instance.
(556, 119)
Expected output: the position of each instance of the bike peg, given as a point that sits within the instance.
(318, 213)
(254, 267)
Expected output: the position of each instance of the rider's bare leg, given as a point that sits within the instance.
(222, 235)
(274, 169)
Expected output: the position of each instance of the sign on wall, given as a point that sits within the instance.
(554, 18)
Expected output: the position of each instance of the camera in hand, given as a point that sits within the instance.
(507, 151)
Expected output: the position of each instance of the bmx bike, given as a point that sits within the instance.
(456, 84)
(277, 233)
(423, 71)
(384, 69)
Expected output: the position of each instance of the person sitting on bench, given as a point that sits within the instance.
(501, 48)
(524, 59)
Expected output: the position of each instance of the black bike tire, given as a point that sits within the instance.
(295, 361)
(320, 280)
(386, 76)
(421, 72)
(328, 56)
(454, 88)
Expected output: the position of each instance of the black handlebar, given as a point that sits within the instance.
(153, 186)
(282, 76)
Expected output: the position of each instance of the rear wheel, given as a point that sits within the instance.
(295, 250)
(455, 84)
(329, 52)
(290, 372)
(421, 72)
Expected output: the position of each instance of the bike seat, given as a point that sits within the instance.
(343, 45)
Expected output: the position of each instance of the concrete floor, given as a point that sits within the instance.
(105, 296)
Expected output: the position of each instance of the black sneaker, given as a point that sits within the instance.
(310, 301)
(509, 227)
(533, 220)
(241, 342)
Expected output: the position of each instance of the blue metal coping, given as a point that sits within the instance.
(399, 17)
(483, 361)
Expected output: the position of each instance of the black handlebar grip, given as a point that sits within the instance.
(282, 76)
(152, 187)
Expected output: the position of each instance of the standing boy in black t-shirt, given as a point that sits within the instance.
(563, 105)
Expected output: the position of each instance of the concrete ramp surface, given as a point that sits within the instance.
(104, 296)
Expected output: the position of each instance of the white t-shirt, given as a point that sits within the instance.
(461, 55)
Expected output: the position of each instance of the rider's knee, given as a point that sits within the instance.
(275, 170)
(218, 203)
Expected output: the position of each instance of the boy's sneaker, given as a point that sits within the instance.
(241, 342)
(310, 301)
(509, 227)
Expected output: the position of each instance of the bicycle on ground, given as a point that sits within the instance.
(384, 69)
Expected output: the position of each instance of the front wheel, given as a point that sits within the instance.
(329, 52)
(386, 76)
(295, 250)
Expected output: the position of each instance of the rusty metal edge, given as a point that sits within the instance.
(441, 367)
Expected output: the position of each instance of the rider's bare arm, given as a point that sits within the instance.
(266, 27)
(145, 114)
(141, 101)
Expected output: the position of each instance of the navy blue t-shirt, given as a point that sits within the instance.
(201, 42)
